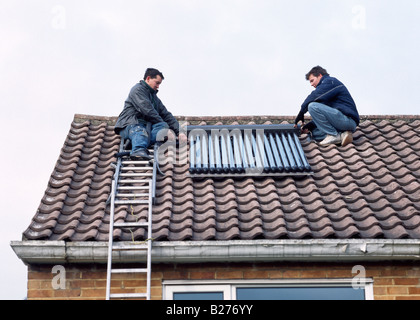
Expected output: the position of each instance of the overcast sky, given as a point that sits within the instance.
(219, 57)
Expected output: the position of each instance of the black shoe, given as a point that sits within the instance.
(141, 154)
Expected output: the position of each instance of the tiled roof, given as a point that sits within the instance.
(368, 189)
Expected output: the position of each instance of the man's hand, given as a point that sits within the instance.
(302, 130)
(300, 117)
(296, 124)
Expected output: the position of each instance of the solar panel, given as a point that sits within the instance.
(246, 150)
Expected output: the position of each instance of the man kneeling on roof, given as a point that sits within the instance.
(334, 113)
(144, 119)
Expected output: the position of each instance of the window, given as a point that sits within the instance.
(198, 296)
(299, 293)
(196, 292)
(305, 289)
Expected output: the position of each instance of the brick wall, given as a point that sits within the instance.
(391, 281)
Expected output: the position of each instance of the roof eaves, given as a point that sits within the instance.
(322, 250)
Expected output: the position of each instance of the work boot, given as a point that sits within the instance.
(346, 138)
(330, 139)
(141, 154)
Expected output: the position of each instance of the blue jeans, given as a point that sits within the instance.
(139, 135)
(329, 121)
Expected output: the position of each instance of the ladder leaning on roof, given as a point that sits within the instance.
(133, 184)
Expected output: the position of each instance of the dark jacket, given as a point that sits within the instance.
(143, 104)
(334, 94)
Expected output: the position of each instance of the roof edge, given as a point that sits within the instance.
(322, 250)
(258, 119)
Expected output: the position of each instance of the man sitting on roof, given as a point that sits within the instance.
(144, 116)
(332, 108)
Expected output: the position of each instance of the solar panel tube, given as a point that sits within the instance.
(283, 155)
(288, 152)
(295, 153)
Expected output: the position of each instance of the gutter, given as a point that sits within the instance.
(323, 250)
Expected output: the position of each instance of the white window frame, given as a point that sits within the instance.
(169, 287)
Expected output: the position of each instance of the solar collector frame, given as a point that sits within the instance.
(246, 150)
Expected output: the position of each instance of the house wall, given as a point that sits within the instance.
(391, 281)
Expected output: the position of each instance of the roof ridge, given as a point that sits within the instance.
(83, 117)
(258, 119)
(409, 117)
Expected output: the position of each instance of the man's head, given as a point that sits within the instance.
(315, 75)
(153, 78)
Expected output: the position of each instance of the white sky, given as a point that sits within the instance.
(219, 57)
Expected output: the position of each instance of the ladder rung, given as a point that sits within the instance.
(130, 247)
(134, 181)
(134, 188)
(148, 149)
(136, 168)
(127, 295)
(145, 174)
(131, 224)
(136, 195)
(151, 152)
(136, 162)
(131, 201)
(134, 270)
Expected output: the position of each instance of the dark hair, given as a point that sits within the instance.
(316, 71)
(152, 73)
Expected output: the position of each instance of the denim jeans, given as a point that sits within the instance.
(329, 121)
(139, 135)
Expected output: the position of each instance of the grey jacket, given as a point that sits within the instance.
(143, 104)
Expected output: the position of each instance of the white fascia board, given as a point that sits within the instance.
(34, 252)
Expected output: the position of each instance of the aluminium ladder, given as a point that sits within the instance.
(133, 184)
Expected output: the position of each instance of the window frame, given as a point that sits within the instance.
(169, 287)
